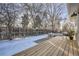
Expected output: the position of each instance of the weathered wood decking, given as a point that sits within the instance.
(57, 46)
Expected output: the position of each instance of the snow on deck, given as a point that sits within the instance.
(8, 47)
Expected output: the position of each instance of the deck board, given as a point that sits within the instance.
(70, 48)
(55, 46)
(66, 49)
(62, 48)
(49, 52)
(74, 49)
(58, 46)
(52, 48)
(44, 52)
(37, 49)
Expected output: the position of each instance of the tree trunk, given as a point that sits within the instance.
(9, 33)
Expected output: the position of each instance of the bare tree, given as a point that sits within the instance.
(37, 22)
(10, 14)
(33, 10)
(54, 11)
(25, 22)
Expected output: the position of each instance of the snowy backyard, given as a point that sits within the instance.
(26, 25)
(11, 47)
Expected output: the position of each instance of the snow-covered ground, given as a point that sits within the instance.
(8, 48)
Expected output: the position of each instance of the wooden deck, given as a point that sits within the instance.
(55, 46)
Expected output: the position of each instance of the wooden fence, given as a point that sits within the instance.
(21, 33)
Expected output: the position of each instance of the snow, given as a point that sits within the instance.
(11, 47)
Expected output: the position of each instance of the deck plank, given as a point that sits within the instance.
(49, 52)
(59, 41)
(75, 49)
(47, 46)
(36, 50)
(70, 48)
(62, 48)
(57, 46)
(66, 49)
(47, 49)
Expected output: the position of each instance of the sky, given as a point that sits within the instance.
(65, 12)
